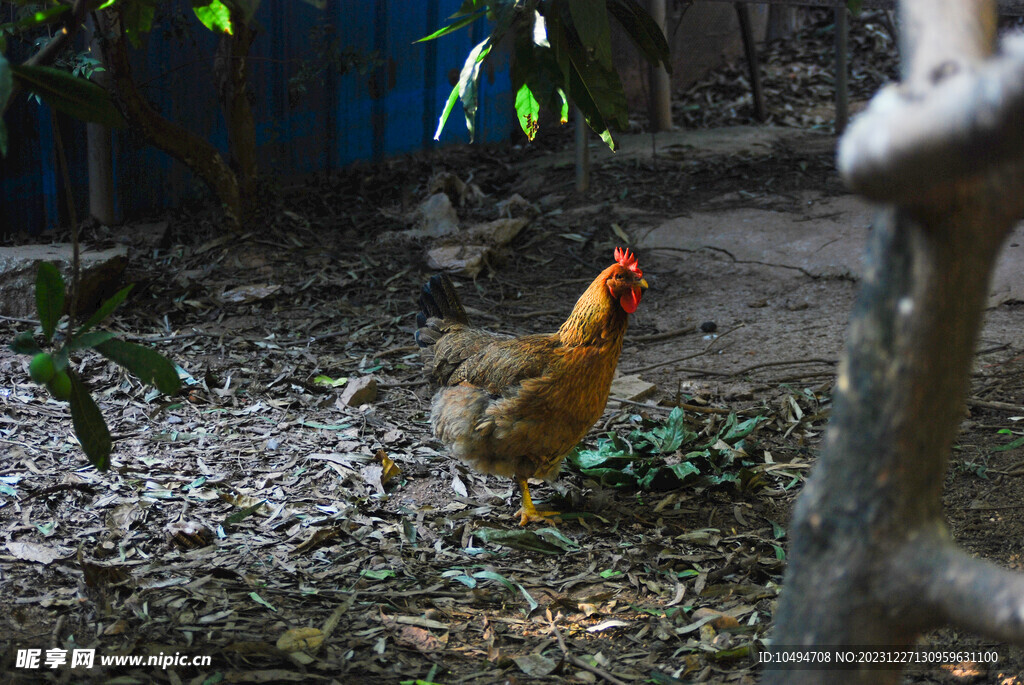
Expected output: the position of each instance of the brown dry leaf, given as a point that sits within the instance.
(245, 502)
(535, 665)
(389, 468)
(419, 639)
(316, 539)
(719, 619)
(306, 639)
(188, 534)
(40, 554)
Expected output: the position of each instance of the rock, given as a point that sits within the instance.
(631, 388)
(102, 271)
(436, 217)
(360, 391)
(497, 233)
(469, 250)
(466, 259)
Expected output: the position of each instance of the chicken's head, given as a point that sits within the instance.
(625, 280)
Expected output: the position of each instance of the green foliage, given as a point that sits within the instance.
(214, 15)
(69, 94)
(561, 51)
(51, 368)
(660, 456)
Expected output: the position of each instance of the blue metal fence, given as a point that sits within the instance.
(342, 119)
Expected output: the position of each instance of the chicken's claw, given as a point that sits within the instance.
(528, 513)
(532, 515)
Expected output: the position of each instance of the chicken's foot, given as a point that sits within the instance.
(528, 512)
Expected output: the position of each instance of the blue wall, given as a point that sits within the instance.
(342, 119)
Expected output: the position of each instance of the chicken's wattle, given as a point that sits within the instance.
(630, 300)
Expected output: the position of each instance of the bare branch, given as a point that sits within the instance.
(956, 588)
(906, 146)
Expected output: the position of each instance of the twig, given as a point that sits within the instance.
(991, 404)
(580, 663)
(688, 407)
(689, 356)
(49, 52)
(656, 337)
(788, 362)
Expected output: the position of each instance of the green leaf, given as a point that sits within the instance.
(86, 340)
(528, 111)
(1010, 445)
(49, 297)
(90, 428)
(454, 26)
(590, 19)
(684, 470)
(493, 575)
(544, 540)
(674, 433)
(610, 573)
(741, 430)
(642, 30)
(529, 599)
(149, 365)
(377, 575)
(75, 96)
(243, 514)
(105, 309)
(25, 343)
(214, 15)
(44, 16)
(453, 97)
(137, 18)
(259, 600)
(460, 575)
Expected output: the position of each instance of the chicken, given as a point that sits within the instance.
(515, 406)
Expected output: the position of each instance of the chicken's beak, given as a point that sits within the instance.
(643, 283)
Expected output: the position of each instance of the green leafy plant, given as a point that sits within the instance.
(52, 370)
(668, 454)
(561, 52)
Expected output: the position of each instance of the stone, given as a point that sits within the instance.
(631, 388)
(359, 391)
(101, 275)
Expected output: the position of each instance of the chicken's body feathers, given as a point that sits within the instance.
(516, 406)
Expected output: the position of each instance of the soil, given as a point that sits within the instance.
(255, 518)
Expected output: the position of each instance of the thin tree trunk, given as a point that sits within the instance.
(871, 561)
(231, 67)
(202, 158)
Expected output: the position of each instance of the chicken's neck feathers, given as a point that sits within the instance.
(597, 319)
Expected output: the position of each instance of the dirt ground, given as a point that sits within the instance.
(427, 576)
(256, 518)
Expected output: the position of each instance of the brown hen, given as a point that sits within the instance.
(515, 406)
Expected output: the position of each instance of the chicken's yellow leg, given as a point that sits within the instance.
(528, 512)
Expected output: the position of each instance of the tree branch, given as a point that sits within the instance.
(906, 146)
(49, 52)
(956, 588)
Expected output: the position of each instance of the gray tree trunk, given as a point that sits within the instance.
(872, 562)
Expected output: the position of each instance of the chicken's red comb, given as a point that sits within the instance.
(628, 259)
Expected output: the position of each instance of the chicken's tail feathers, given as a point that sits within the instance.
(438, 300)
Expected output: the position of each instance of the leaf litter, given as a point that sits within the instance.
(292, 536)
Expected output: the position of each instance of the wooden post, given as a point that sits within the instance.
(750, 48)
(101, 170)
(660, 113)
(842, 91)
